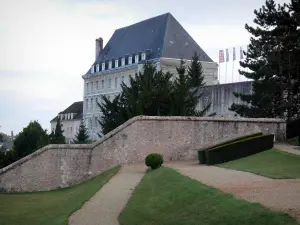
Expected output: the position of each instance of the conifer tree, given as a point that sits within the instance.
(273, 60)
(82, 135)
(155, 93)
(58, 137)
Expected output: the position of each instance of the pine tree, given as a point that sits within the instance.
(82, 135)
(154, 93)
(272, 59)
(195, 72)
(58, 137)
(196, 83)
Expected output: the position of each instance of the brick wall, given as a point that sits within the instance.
(177, 138)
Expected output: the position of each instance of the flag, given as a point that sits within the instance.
(241, 53)
(221, 56)
(233, 55)
(227, 55)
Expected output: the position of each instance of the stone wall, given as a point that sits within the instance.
(221, 96)
(177, 138)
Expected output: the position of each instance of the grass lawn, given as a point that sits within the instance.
(271, 163)
(49, 207)
(293, 141)
(165, 197)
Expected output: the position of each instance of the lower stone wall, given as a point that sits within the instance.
(177, 138)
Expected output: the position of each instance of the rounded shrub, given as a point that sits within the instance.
(154, 160)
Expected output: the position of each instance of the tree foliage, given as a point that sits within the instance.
(57, 136)
(82, 135)
(273, 59)
(155, 93)
(30, 139)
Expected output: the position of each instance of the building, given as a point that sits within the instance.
(70, 119)
(160, 40)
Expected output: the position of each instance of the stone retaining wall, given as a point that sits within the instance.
(177, 138)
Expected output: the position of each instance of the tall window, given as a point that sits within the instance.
(102, 84)
(87, 87)
(92, 69)
(143, 56)
(97, 85)
(109, 64)
(87, 104)
(92, 86)
(109, 83)
(116, 63)
(91, 104)
(130, 60)
(97, 68)
(136, 59)
(116, 82)
(123, 61)
(103, 66)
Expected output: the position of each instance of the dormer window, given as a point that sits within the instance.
(92, 69)
(109, 64)
(103, 66)
(116, 63)
(97, 68)
(136, 59)
(144, 56)
(130, 60)
(123, 61)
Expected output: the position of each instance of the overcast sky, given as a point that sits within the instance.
(46, 46)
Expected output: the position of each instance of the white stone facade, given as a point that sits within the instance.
(70, 126)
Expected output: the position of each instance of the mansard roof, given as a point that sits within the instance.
(76, 107)
(162, 36)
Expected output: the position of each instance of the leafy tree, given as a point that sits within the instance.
(82, 136)
(155, 93)
(1, 137)
(32, 138)
(57, 137)
(273, 60)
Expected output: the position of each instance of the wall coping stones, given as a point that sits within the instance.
(128, 123)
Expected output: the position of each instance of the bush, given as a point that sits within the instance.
(239, 149)
(154, 160)
(201, 152)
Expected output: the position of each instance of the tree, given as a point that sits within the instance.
(273, 60)
(82, 136)
(155, 93)
(32, 138)
(57, 137)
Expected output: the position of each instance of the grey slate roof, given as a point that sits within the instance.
(76, 107)
(162, 35)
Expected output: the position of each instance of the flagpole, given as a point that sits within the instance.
(219, 75)
(226, 73)
(232, 69)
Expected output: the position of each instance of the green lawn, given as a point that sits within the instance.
(52, 207)
(271, 163)
(165, 197)
(293, 141)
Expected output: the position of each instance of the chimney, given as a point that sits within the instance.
(99, 46)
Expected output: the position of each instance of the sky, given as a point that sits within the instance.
(47, 45)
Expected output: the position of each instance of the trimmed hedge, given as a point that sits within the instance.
(154, 160)
(292, 129)
(201, 152)
(239, 149)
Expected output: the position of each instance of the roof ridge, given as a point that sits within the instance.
(166, 29)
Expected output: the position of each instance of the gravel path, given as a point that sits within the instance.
(279, 195)
(287, 148)
(106, 205)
